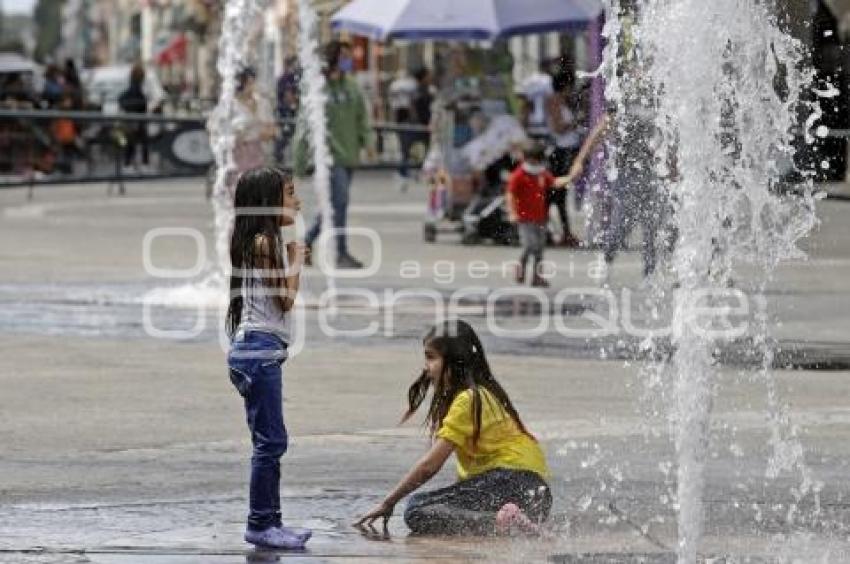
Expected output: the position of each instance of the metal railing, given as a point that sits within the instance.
(43, 147)
(35, 150)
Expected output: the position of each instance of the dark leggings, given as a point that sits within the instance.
(469, 507)
(137, 137)
(560, 161)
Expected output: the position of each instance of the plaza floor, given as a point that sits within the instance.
(121, 446)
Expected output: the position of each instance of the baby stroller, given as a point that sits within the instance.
(490, 153)
(486, 217)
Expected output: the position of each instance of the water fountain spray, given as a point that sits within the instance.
(314, 100)
(240, 16)
(234, 50)
(718, 86)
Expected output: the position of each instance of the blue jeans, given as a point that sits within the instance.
(340, 194)
(254, 362)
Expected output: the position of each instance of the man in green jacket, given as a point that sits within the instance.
(348, 132)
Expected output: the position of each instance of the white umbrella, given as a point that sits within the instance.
(461, 19)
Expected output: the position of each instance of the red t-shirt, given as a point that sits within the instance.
(529, 194)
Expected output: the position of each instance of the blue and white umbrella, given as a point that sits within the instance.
(461, 19)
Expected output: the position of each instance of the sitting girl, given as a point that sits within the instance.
(501, 466)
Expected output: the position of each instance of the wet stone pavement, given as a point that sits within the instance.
(120, 447)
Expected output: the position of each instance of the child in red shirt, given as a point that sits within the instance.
(526, 203)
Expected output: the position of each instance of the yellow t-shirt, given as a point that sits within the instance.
(501, 444)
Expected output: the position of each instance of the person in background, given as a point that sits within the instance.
(527, 208)
(134, 101)
(537, 89)
(566, 137)
(423, 103)
(253, 125)
(290, 79)
(401, 93)
(287, 105)
(73, 84)
(54, 88)
(637, 196)
(348, 134)
(287, 112)
(64, 133)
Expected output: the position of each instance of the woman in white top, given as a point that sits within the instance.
(253, 126)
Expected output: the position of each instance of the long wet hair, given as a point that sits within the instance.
(256, 239)
(465, 367)
(244, 75)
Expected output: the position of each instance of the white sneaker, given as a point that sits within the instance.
(279, 537)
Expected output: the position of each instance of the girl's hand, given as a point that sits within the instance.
(563, 182)
(297, 253)
(383, 509)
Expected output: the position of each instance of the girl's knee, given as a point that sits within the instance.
(414, 512)
(412, 518)
(538, 502)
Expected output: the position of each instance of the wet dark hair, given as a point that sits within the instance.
(243, 76)
(256, 240)
(465, 367)
(535, 152)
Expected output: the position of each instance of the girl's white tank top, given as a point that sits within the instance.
(261, 309)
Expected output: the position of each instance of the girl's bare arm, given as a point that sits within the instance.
(422, 471)
(596, 135)
(297, 254)
(291, 281)
(563, 182)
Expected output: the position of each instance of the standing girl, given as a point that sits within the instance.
(263, 285)
(501, 466)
